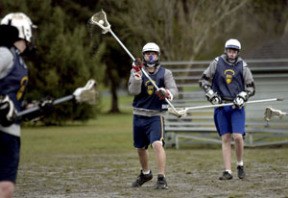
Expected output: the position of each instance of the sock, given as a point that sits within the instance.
(229, 171)
(146, 172)
(240, 163)
(161, 175)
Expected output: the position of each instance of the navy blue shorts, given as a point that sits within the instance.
(9, 156)
(229, 120)
(147, 130)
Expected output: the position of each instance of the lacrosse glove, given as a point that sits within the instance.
(213, 97)
(136, 68)
(7, 111)
(240, 99)
(163, 93)
(46, 106)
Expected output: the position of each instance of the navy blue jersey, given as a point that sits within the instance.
(147, 98)
(228, 80)
(14, 84)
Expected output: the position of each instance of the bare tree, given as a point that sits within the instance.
(193, 29)
(181, 28)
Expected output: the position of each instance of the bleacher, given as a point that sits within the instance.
(271, 79)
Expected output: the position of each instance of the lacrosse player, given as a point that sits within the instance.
(228, 79)
(15, 40)
(148, 107)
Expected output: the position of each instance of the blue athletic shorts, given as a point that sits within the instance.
(229, 120)
(147, 130)
(9, 157)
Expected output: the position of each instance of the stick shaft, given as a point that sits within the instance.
(37, 108)
(122, 45)
(143, 71)
(230, 104)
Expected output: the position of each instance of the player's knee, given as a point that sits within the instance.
(238, 138)
(157, 145)
(141, 151)
(226, 138)
(6, 189)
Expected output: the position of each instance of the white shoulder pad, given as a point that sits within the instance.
(245, 64)
(6, 62)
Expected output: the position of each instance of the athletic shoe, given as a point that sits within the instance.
(142, 178)
(241, 172)
(161, 182)
(226, 176)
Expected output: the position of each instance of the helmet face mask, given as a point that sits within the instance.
(151, 54)
(150, 58)
(232, 50)
(232, 54)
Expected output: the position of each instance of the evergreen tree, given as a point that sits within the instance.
(64, 60)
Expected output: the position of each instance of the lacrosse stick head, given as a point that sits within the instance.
(177, 112)
(100, 19)
(86, 94)
(270, 112)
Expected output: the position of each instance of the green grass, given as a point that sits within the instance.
(107, 131)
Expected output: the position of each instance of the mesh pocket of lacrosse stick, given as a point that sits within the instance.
(88, 93)
(100, 19)
(89, 96)
(270, 112)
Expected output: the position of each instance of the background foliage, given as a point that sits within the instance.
(70, 52)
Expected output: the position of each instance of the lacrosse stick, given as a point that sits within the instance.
(82, 94)
(100, 19)
(184, 111)
(270, 112)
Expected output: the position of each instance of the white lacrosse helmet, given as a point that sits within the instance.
(151, 47)
(22, 22)
(233, 44)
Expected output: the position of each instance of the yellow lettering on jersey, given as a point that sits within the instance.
(23, 85)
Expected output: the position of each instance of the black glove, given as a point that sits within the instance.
(213, 97)
(7, 111)
(240, 99)
(46, 106)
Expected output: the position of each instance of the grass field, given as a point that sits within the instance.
(98, 160)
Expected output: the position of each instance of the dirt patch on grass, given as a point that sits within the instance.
(190, 173)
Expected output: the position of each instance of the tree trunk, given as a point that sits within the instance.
(114, 98)
(111, 74)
